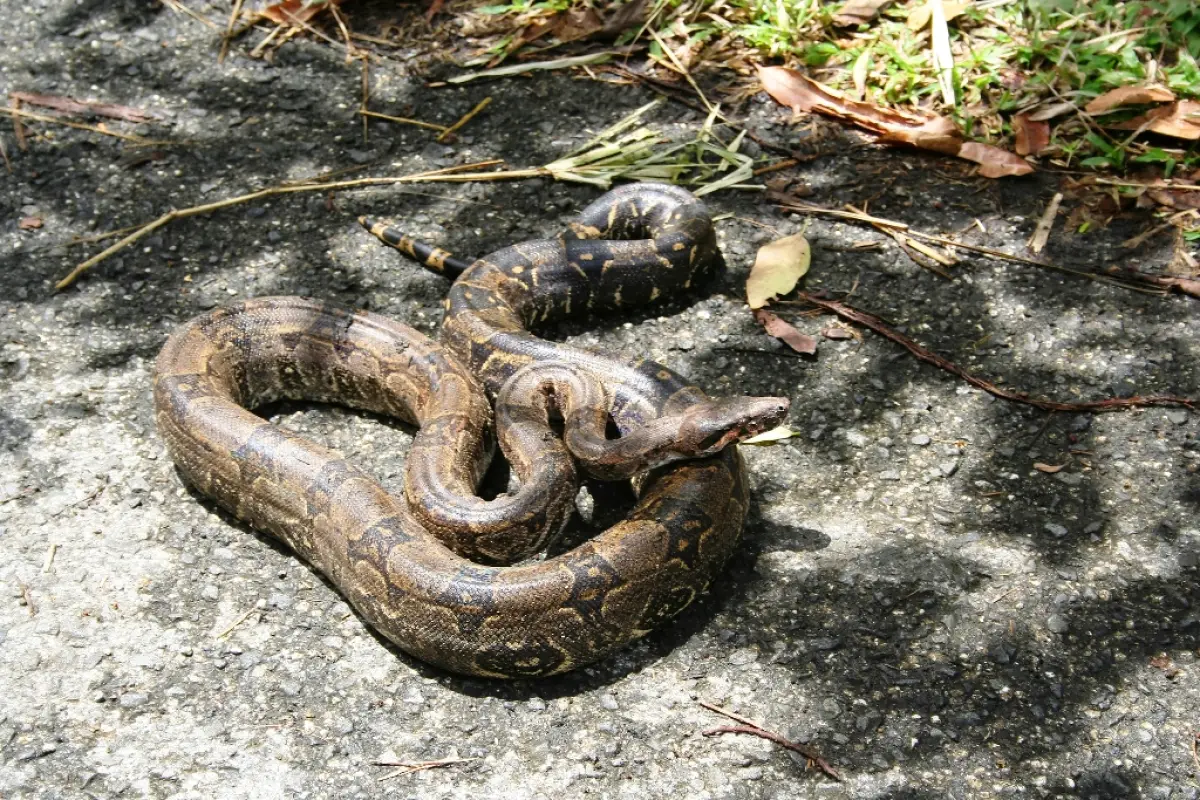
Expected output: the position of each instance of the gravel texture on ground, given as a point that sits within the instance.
(914, 599)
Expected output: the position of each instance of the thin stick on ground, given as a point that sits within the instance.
(129, 137)
(351, 50)
(299, 23)
(752, 728)
(1110, 404)
(27, 596)
(365, 96)
(69, 105)
(682, 70)
(403, 120)
(1124, 279)
(174, 214)
(407, 768)
(18, 129)
(465, 119)
(234, 13)
(235, 623)
(259, 48)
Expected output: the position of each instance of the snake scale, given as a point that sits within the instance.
(413, 566)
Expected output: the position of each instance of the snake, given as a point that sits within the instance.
(424, 568)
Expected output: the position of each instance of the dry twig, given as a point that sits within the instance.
(1123, 278)
(1110, 404)
(407, 768)
(27, 596)
(235, 623)
(69, 105)
(754, 729)
(403, 120)
(465, 119)
(17, 113)
(234, 13)
(445, 174)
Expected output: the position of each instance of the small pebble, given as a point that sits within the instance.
(133, 699)
(1055, 530)
(920, 440)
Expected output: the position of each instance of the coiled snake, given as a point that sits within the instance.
(400, 561)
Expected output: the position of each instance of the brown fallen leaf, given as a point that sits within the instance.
(289, 12)
(928, 132)
(1163, 661)
(995, 162)
(1048, 468)
(790, 88)
(1032, 135)
(922, 14)
(1175, 198)
(30, 223)
(1180, 120)
(574, 24)
(1129, 96)
(786, 333)
(857, 12)
(777, 268)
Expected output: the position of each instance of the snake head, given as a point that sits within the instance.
(713, 425)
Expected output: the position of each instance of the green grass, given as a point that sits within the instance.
(1009, 56)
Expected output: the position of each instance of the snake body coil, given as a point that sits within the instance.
(391, 557)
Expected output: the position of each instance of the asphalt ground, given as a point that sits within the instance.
(914, 598)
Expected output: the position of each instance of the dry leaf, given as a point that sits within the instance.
(786, 333)
(577, 24)
(798, 92)
(862, 66)
(921, 15)
(1180, 120)
(1175, 198)
(1048, 468)
(856, 12)
(777, 267)
(942, 55)
(1163, 661)
(1032, 135)
(1129, 96)
(291, 11)
(994, 162)
(772, 436)
(929, 132)
(30, 223)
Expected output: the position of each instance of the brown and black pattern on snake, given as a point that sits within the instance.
(519, 621)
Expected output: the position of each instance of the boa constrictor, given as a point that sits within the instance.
(403, 562)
